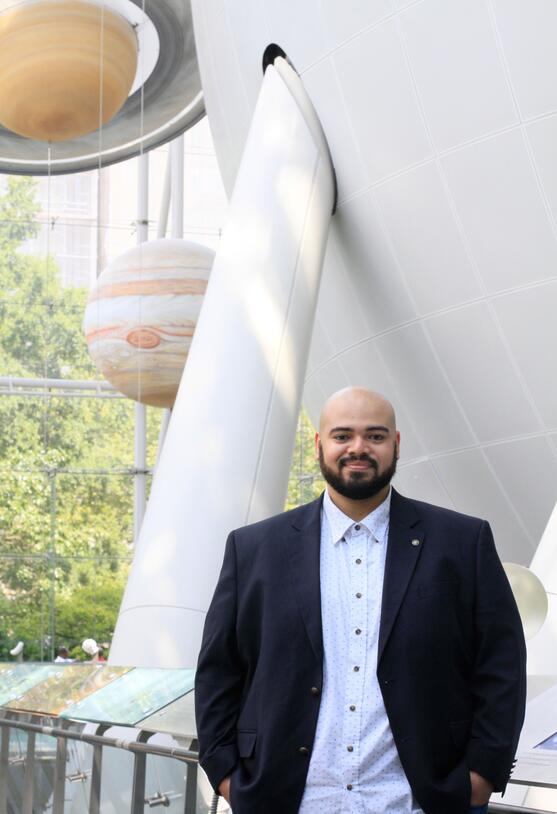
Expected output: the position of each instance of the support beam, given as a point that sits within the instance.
(177, 175)
(227, 453)
(140, 441)
(165, 199)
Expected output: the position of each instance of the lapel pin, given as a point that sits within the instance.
(415, 542)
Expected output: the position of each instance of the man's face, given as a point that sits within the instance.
(358, 447)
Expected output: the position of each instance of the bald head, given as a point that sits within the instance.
(357, 402)
(357, 446)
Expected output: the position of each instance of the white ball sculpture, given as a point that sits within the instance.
(530, 595)
(90, 647)
(141, 316)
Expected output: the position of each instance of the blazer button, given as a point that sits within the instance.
(315, 690)
(303, 750)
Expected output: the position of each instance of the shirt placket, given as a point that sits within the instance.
(357, 647)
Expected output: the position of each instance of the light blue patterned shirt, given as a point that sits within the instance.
(354, 767)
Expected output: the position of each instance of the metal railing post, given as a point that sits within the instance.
(60, 776)
(191, 789)
(96, 772)
(4, 755)
(29, 775)
(139, 773)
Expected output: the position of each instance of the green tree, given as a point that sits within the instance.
(305, 482)
(65, 463)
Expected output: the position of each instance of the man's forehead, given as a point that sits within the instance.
(357, 416)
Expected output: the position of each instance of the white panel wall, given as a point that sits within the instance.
(440, 282)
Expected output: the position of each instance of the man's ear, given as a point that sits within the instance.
(397, 445)
(317, 440)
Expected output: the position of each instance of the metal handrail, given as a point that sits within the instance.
(186, 755)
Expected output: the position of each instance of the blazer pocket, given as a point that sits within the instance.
(246, 743)
(460, 732)
(447, 587)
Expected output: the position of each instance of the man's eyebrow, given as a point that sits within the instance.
(373, 428)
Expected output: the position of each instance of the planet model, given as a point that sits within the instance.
(66, 68)
(141, 316)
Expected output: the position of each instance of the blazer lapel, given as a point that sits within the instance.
(304, 542)
(405, 544)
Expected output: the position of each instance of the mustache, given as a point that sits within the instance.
(363, 457)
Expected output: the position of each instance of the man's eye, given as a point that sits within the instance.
(377, 437)
(340, 437)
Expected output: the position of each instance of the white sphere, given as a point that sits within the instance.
(90, 647)
(141, 316)
(440, 284)
(530, 595)
(15, 651)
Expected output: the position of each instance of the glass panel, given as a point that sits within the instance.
(165, 781)
(133, 697)
(116, 780)
(16, 770)
(22, 677)
(178, 718)
(43, 775)
(78, 778)
(67, 686)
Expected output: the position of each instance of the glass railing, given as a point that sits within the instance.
(97, 739)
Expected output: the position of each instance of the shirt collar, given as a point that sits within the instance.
(376, 522)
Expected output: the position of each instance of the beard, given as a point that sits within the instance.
(358, 485)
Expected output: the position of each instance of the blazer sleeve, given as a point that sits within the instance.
(218, 680)
(499, 678)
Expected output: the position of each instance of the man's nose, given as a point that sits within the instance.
(357, 445)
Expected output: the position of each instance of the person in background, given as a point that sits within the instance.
(63, 656)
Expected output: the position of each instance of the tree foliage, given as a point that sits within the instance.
(65, 463)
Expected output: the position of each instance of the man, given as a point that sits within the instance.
(362, 653)
(63, 656)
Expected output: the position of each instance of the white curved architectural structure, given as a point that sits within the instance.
(226, 456)
(440, 281)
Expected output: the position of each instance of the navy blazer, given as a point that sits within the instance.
(451, 658)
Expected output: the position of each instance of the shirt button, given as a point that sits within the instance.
(303, 750)
(358, 561)
(352, 708)
(349, 787)
(358, 595)
(356, 668)
(315, 690)
(350, 748)
(358, 631)
(357, 527)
